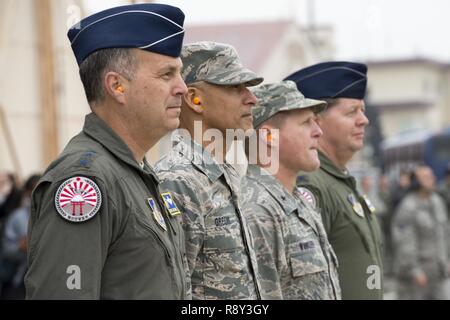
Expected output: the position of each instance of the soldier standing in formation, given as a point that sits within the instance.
(98, 227)
(294, 256)
(420, 240)
(206, 188)
(348, 216)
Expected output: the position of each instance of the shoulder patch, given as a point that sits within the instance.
(78, 199)
(307, 195)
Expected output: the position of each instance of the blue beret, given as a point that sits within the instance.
(148, 26)
(332, 80)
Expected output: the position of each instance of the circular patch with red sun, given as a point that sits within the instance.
(78, 199)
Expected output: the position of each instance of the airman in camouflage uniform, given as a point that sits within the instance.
(207, 189)
(295, 258)
(419, 234)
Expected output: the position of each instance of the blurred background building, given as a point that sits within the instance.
(410, 94)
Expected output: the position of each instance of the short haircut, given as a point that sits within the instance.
(330, 102)
(97, 64)
(276, 121)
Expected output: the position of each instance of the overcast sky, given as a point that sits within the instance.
(364, 29)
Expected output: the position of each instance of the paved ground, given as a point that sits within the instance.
(390, 288)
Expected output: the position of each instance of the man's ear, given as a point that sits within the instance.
(268, 135)
(193, 99)
(115, 86)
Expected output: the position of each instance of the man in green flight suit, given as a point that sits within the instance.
(348, 215)
(98, 228)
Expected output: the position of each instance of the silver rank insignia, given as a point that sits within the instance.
(369, 204)
(170, 204)
(157, 214)
(357, 207)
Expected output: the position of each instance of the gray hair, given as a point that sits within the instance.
(97, 64)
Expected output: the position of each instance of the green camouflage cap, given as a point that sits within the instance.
(281, 96)
(215, 63)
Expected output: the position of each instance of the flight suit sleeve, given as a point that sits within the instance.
(190, 198)
(65, 258)
(405, 241)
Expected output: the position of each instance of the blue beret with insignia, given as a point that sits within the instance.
(148, 26)
(338, 79)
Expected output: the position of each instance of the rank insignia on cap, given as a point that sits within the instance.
(307, 195)
(369, 204)
(157, 214)
(356, 205)
(170, 204)
(78, 199)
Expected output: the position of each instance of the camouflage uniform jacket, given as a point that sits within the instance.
(295, 258)
(419, 233)
(219, 252)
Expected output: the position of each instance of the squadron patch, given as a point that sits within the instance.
(78, 199)
(357, 207)
(157, 214)
(170, 204)
(307, 195)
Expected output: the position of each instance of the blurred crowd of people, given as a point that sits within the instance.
(413, 212)
(14, 215)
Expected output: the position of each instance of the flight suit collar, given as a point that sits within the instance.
(327, 165)
(198, 156)
(98, 130)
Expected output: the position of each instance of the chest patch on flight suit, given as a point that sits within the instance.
(357, 207)
(170, 204)
(157, 213)
(369, 204)
(78, 199)
(307, 195)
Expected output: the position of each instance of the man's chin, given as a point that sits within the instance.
(357, 147)
(311, 165)
(173, 124)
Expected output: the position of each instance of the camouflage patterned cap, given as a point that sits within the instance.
(215, 63)
(281, 96)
